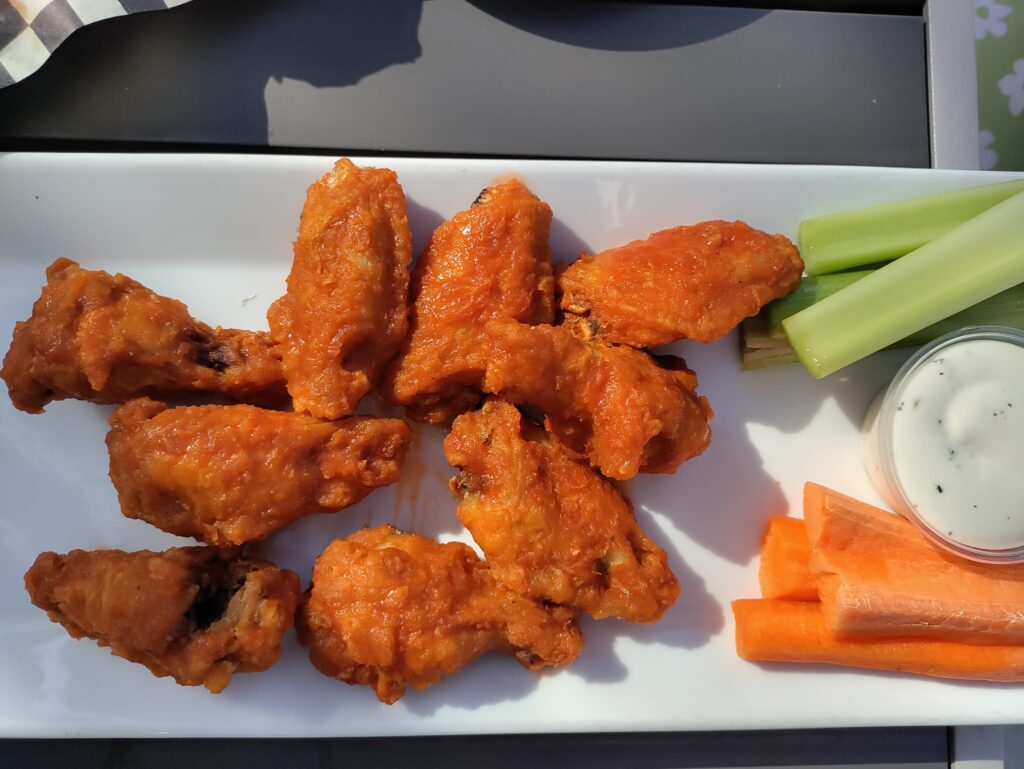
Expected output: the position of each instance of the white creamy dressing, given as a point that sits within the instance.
(958, 443)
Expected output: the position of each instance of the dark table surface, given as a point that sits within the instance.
(557, 79)
(913, 748)
(529, 78)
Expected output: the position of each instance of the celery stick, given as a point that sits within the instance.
(978, 259)
(812, 289)
(757, 349)
(849, 239)
(768, 356)
(1003, 309)
(754, 334)
(761, 346)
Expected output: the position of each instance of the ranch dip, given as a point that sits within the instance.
(945, 445)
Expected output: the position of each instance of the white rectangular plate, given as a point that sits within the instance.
(215, 232)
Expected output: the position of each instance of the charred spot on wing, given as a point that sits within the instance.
(214, 357)
(207, 352)
(462, 483)
(482, 197)
(212, 601)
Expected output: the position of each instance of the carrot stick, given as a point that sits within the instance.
(785, 561)
(838, 522)
(879, 576)
(794, 631)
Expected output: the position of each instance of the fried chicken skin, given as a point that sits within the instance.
(623, 410)
(695, 282)
(106, 338)
(194, 613)
(390, 610)
(549, 525)
(232, 474)
(344, 314)
(490, 261)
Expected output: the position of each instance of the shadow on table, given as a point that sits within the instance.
(689, 624)
(723, 498)
(130, 75)
(104, 77)
(789, 397)
(618, 26)
(422, 221)
(694, 619)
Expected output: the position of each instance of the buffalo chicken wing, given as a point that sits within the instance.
(623, 410)
(344, 313)
(390, 610)
(696, 282)
(196, 614)
(232, 474)
(106, 338)
(549, 525)
(491, 261)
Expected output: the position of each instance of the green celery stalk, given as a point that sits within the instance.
(812, 289)
(764, 346)
(851, 239)
(972, 262)
(759, 350)
(1003, 309)
(763, 357)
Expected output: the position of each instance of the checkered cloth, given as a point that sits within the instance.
(30, 30)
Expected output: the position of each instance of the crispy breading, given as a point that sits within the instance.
(344, 314)
(232, 474)
(390, 610)
(549, 525)
(490, 261)
(106, 338)
(692, 282)
(622, 409)
(195, 613)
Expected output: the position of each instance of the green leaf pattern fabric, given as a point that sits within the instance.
(999, 49)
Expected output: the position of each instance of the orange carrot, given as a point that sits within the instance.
(785, 561)
(879, 576)
(795, 631)
(838, 522)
